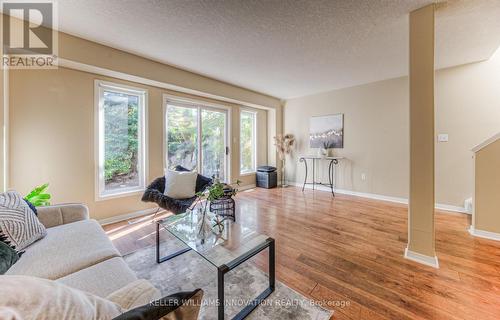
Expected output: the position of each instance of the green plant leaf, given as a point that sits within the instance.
(38, 197)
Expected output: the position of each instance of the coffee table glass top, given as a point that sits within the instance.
(219, 248)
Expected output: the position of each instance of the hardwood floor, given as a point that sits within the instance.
(347, 253)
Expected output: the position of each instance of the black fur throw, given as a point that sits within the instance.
(5, 240)
(8, 254)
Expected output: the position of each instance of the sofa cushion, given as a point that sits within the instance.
(66, 249)
(101, 279)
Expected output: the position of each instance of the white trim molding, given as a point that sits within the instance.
(422, 258)
(246, 187)
(373, 196)
(484, 234)
(447, 207)
(486, 142)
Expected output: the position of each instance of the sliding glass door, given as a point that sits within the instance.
(196, 138)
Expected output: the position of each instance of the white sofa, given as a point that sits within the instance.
(76, 252)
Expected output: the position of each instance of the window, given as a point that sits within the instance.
(196, 138)
(248, 142)
(120, 139)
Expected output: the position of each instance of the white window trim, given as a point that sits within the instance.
(254, 138)
(99, 87)
(196, 103)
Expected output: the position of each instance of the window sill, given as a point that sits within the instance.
(247, 174)
(121, 194)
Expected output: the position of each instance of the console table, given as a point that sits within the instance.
(331, 170)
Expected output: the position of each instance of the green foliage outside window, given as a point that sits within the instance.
(247, 148)
(121, 143)
(182, 148)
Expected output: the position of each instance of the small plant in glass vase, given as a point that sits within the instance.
(324, 149)
(217, 190)
(284, 145)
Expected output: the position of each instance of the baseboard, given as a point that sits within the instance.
(127, 216)
(373, 196)
(422, 258)
(447, 207)
(246, 187)
(484, 234)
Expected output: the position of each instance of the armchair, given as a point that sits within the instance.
(155, 193)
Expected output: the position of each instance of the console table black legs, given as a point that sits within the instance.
(331, 172)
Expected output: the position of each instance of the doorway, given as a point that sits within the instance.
(196, 138)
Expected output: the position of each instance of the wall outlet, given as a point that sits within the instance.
(443, 137)
(363, 177)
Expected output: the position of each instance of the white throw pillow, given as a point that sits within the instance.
(24, 298)
(180, 184)
(18, 222)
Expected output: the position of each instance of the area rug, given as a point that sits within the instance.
(190, 271)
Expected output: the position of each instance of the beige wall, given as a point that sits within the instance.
(52, 134)
(52, 121)
(468, 109)
(467, 102)
(90, 53)
(375, 140)
(487, 200)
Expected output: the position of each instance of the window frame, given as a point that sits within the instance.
(254, 139)
(142, 94)
(200, 105)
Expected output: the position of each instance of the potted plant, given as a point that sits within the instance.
(39, 196)
(284, 145)
(216, 191)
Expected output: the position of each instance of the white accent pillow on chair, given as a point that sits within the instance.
(180, 184)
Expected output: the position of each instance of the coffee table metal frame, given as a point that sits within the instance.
(225, 268)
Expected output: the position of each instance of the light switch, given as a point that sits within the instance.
(443, 137)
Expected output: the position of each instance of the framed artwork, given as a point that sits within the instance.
(327, 132)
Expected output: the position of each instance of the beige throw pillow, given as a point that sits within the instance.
(26, 298)
(180, 184)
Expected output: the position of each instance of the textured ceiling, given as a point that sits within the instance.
(284, 48)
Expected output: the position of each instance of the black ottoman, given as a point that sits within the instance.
(267, 177)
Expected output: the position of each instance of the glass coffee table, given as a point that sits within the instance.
(225, 250)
